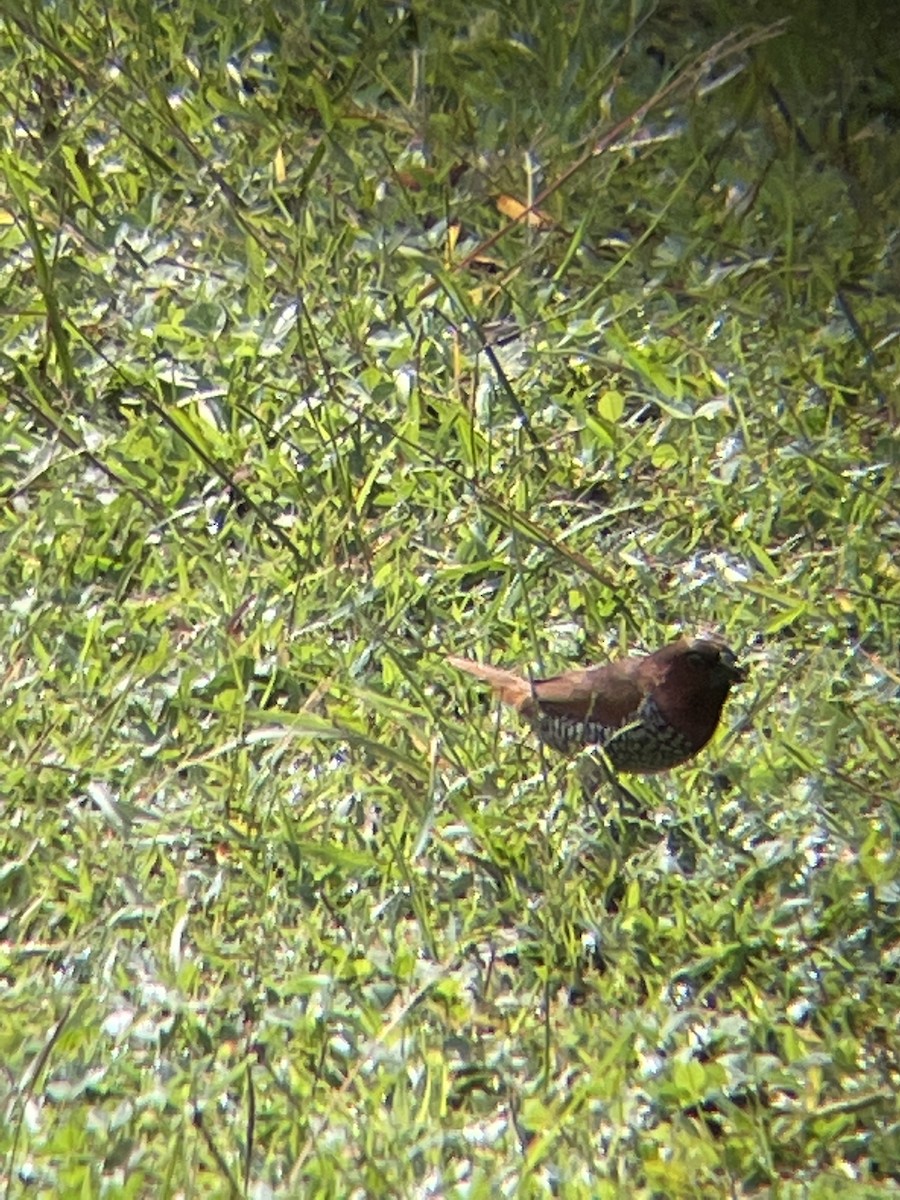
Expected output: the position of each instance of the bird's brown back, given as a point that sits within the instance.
(610, 694)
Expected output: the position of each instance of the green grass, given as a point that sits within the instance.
(291, 409)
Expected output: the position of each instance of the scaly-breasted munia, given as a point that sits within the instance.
(648, 713)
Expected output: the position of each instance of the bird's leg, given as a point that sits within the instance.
(595, 771)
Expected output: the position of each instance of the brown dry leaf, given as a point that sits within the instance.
(510, 207)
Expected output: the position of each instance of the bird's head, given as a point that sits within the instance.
(708, 662)
(694, 677)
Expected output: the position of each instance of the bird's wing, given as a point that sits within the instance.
(610, 694)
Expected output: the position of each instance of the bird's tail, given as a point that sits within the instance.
(511, 688)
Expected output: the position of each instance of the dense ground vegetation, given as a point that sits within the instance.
(339, 337)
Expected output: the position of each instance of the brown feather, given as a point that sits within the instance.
(511, 688)
(609, 694)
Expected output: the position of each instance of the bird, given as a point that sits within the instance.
(647, 712)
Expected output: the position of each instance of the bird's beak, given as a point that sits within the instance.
(735, 672)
